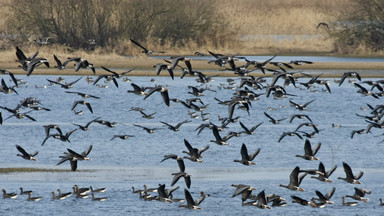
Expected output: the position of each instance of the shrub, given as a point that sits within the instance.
(360, 26)
(79, 24)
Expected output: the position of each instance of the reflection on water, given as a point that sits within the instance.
(120, 164)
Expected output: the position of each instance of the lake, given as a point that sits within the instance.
(120, 164)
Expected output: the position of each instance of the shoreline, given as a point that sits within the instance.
(328, 69)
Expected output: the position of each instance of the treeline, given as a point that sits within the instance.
(359, 28)
(79, 24)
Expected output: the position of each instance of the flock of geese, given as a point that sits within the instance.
(249, 90)
(82, 193)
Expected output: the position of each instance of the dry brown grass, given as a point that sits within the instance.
(269, 27)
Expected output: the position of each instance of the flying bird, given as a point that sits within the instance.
(246, 158)
(145, 50)
(25, 154)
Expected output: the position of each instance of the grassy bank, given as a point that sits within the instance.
(26, 170)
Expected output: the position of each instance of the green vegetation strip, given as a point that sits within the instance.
(19, 170)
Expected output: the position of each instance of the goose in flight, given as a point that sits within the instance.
(7, 89)
(308, 124)
(83, 103)
(359, 194)
(325, 176)
(83, 95)
(86, 126)
(325, 199)
(80, 63)
(300, 116)
(349, 74)
(24, 154)
(115, 74)
(194, 153)
(309, 152)
(49, 127)
(244, 190)
(323, 24)
(60, 136)
(192, 204)
(60, 65)
(163, 91)
(246, 158)
(73, 157)
(251, 130)
(301, 107)
(145, 50)
(161, 66)
(182, 172)
(137, 89)
(66, 85)
(218, 139)
(273, 120)
(175, 127)
(301, 201)
(350, 178)
(295, 180)
(123, 137)
(3, 71)
(148, 130)
(289, 133)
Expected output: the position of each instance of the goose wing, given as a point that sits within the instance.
(252, 156)
(330, 193)
(87, 151)
(139, 45)
(244, 152)
(348, 171)
(22, 151)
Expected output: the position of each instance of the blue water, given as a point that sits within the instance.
(120, 164)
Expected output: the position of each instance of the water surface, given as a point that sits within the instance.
(120, 164)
